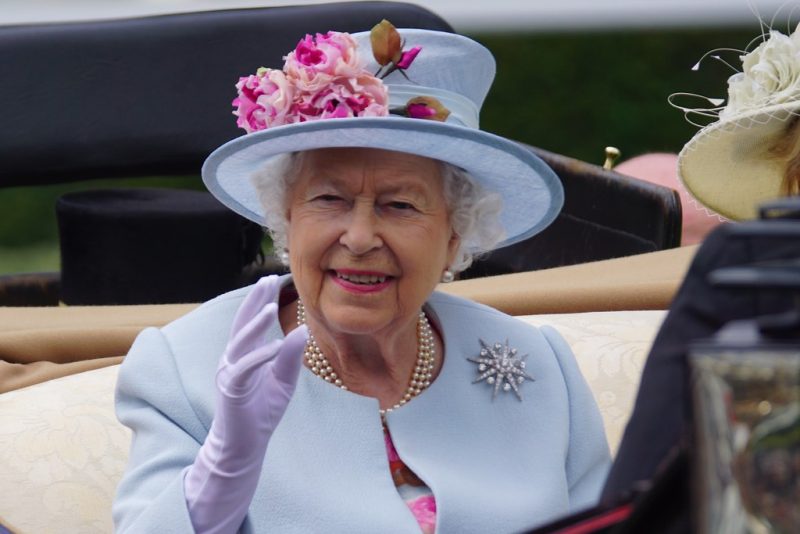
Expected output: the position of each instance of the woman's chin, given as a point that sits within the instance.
(354, 320)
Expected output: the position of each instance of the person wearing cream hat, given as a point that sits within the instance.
(746, 157)
(751, 153)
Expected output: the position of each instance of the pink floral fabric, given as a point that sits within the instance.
(424, 509)
(417, 495)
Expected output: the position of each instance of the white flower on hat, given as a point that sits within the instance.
(770, 75)
(751, 153)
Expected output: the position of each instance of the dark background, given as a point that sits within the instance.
(570, 93)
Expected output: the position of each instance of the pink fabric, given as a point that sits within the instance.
(424, 509)
(417, 495)
(391, 452)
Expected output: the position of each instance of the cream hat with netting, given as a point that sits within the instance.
(729, 166)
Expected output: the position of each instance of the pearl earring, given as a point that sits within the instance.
(284, 256)
(448, 276)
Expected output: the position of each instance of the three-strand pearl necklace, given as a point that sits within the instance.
(420, 378)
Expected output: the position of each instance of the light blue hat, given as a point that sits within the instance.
(454, 70)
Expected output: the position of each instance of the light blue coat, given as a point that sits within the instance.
(494, 465)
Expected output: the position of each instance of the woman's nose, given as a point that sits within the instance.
(360, 234)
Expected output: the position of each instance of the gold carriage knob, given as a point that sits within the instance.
(612, 153)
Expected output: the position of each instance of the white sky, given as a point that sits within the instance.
(464, 15)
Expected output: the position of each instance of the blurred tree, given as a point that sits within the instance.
(575, 94)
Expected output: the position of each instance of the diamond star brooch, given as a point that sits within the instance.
(500, 367)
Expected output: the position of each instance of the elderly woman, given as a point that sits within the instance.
(349, 395)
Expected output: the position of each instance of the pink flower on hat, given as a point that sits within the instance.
(328, 56)
(423, 107)
(342, 100)
(265, 99)
(387, 49)
(322, 78)
(408, 57)
(420, 111)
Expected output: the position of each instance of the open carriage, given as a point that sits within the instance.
(608, 273)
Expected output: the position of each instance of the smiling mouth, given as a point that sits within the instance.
(362, 279)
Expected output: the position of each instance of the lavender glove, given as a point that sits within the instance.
(255, 381)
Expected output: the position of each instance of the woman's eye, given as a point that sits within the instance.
(328, 198)
(399, 205)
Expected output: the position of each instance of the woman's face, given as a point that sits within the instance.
(369, 236)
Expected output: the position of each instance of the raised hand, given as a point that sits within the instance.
(255, 381)
(243, 366)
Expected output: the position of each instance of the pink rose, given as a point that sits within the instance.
(364, 96)
(307, 54)
(323, 77)
(408, 57)
(426, 107)
(316, 61)
(342, 53)
(264, 100)
(376, 92)
(420, 111)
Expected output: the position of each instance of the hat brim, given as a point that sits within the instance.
(726, 165)
(531, 192)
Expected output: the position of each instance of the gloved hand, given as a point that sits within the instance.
(255, 381)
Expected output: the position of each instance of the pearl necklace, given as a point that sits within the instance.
(420, 378)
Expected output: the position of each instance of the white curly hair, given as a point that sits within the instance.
(474, 212)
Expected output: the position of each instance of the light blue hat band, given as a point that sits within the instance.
(462, 109)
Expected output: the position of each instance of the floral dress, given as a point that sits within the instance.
(413, 491)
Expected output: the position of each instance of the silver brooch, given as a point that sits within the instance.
(500, 366)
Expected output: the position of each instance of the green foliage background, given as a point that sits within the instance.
(576, 94)
(568, 93)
